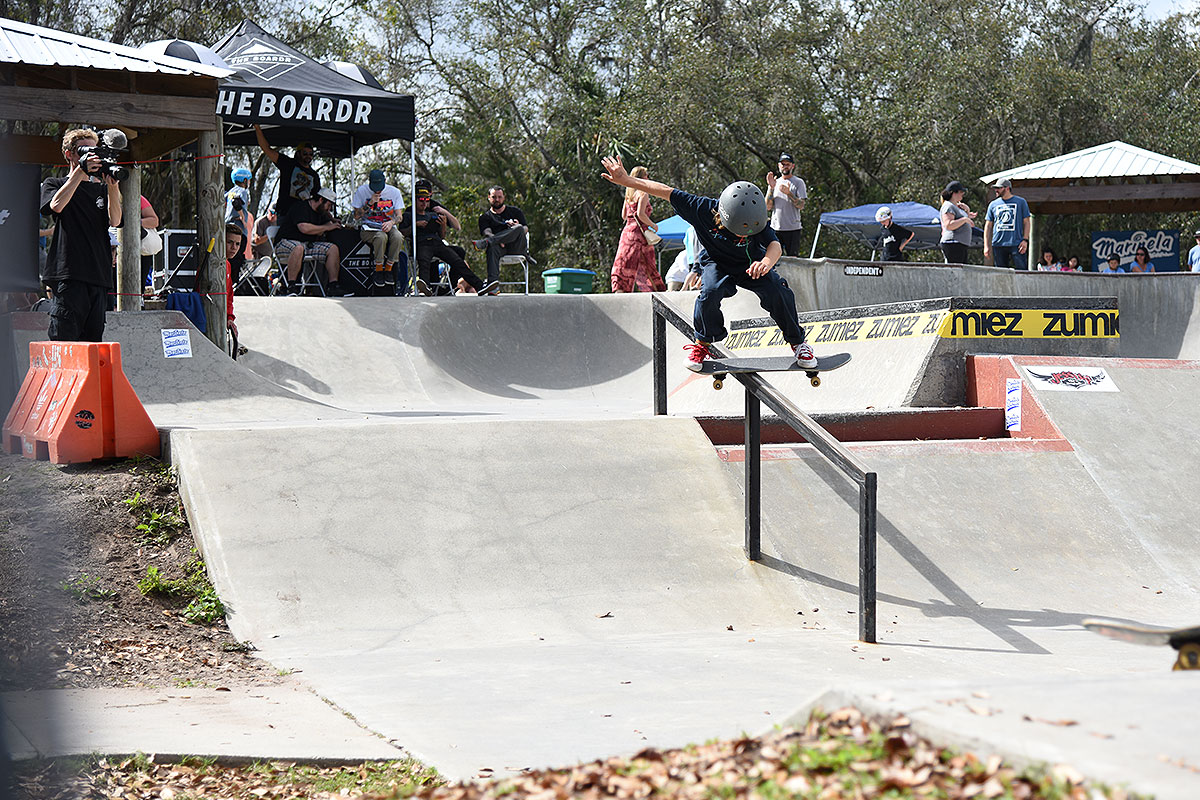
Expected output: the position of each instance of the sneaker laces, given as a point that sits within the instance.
(697, 351)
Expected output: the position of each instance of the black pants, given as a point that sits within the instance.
(429, 252)
(955, 252)
(790, 241)
(77, 314)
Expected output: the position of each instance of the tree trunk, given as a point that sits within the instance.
(210, 281)
(129, 245)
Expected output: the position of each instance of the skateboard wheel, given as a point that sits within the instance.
(815, 380)
(718, 383)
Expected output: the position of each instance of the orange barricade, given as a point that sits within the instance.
(77, 405)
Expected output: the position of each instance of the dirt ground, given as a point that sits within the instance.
(71, 557)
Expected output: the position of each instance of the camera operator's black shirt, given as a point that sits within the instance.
(301, 212)
(79, 250)
(296, 184)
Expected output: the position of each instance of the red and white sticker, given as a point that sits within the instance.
(1070, 378)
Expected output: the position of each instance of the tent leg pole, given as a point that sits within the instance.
(813, 253)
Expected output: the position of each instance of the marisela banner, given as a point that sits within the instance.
(1163, 246)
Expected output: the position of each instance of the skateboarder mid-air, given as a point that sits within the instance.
(739, 250)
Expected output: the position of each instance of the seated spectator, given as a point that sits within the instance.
(261, 242)
(237, 201)
(234, 239)
(297, 178)
(377, 204)
(504, 233)
(302, 234)
(429, 246)
(895, 237)
(1141, 261)
(1049, 262)
(685, 271)
(1193, 258)
(1072, 265)
(1114, 265)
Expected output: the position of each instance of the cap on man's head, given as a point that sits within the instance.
(423, 192)
(883, 213)
(327, 194)
(1114, 257)
(955, 186)
(1003, 183)
(787, 158)
(1198, 234)
(376, 180)
(304, 146)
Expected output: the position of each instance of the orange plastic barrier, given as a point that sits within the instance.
(77, 405)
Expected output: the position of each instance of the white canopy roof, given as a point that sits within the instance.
(1112, 160)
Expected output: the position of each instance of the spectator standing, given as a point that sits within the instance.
(1006, 232)
(235, 242)
(237, 201)
(957, 223)
(1193, 258)
(786, 197)
(504, 232)
(79, 264)
(149, 225)
(895, 237)
(377, 206)
(1141, 261)
(302, 233)
(740, 250)
(297, 178)
(635, 261)
(429, 247)
(1114, 265)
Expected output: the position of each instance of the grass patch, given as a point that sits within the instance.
(203, 607)
(87, 589)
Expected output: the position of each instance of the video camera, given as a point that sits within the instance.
(112, 143)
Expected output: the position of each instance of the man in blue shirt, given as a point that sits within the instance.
(1006, 232)
(739, 250)
(1194, 255)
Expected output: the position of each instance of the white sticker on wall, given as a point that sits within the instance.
(1071, 379)
(177, 343)
(1012, 404)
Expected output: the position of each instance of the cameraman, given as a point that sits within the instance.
(79, 265)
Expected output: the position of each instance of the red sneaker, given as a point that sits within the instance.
(696, 353)
(804, 356)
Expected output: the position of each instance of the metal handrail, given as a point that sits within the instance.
(758, 393)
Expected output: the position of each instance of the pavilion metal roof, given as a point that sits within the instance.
(1102, 162)
(21, 43)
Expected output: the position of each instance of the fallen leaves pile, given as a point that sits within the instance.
(842, 755)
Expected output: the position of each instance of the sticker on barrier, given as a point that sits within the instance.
(1071, 379)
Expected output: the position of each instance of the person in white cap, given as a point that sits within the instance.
(1006, 232)
(895, 237)
(786, 196)
(302, 233)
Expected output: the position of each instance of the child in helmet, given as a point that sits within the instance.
(738, 250)
(237, 202)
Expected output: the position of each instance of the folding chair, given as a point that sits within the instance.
(309, 274)
(523, 263)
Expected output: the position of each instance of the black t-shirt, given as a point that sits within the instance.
(432, 232)
(894, 236)
(499, 221)
(301, 212)
(296, 183)
(79, 249)
(730, 254)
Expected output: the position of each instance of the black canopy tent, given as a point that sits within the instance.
(297, 99)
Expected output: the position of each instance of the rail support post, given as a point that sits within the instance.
(753, 458)
(866, 558)
(660, 363)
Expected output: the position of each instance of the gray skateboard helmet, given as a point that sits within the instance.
(743, 209)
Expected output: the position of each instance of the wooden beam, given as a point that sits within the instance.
(1112, 199)
(1117, 207)
(110, 108)
(25, 149)
(157, 143)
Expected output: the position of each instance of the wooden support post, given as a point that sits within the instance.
(129, 247)
(210, 279)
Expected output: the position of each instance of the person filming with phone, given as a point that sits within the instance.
(83, 206)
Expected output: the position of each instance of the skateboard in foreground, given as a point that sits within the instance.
(1186, 641)
(720, 368)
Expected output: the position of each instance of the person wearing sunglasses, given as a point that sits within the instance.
(297, 178)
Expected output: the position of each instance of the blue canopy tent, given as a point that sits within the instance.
(859, 224)
(672, 230)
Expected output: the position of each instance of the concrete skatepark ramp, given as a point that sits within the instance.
(458, 520)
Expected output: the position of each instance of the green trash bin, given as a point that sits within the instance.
(565, 280)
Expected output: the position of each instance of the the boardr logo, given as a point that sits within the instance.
(1071, 378)
(262, 59)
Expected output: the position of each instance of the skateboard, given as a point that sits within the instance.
(720, 368)
(1185, 640)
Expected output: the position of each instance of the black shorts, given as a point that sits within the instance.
(77, 314)
(790, 240)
